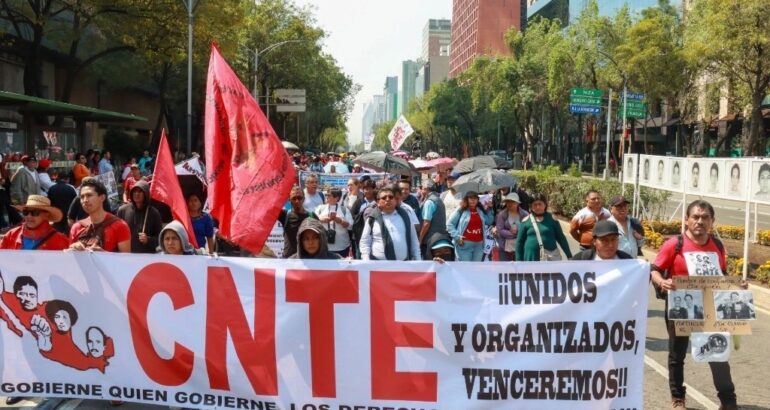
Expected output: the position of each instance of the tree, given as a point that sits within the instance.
(731, 38)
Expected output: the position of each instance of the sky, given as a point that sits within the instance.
(370, 38)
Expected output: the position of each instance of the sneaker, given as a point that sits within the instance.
(728, 407)
(678, 403)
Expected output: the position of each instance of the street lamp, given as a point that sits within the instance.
(257, 53)
(190, 6)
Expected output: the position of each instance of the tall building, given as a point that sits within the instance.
(390, 92)
(409, 71)
(479, 27)
(568, 10)
(374, 115)
(435, 35)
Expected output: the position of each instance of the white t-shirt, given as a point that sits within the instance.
(312, 201)
(451, 202)
(342, 239)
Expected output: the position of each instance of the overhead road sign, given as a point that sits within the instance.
(583, 109)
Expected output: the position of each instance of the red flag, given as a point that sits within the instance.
(249, 172)
(165, 187)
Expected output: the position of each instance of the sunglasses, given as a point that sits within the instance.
(297, 198)
(32, 212)
(386, 197)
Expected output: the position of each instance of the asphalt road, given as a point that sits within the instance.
(750, 370)
(727, 212)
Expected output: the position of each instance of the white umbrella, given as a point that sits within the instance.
(339, 168)
(432, 155)
(289, 146)
(420, 164)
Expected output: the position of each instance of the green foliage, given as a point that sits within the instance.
(123, 145)
(566, 194)
(574, 171)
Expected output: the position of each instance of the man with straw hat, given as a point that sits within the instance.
(36, 232)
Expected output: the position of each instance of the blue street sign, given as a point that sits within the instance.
(635, 96)
(583, 109)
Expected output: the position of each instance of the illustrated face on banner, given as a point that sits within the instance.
(646, 170)
(676, 174)
(62, 321)
(763, 182)
(95, 342)
(27, 296)
(695, 176)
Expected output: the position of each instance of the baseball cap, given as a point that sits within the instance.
(27, 158)
(454, 175)
(512, 196)
(617, 200)
(604, 228)
(428, 183)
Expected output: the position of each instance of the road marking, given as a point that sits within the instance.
(70, 405)
(691, 391)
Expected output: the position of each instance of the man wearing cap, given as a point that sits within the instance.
(631, 231)
(582, 224)
(36, 233)
(450, 197)
(25, 181)
(42, 176)
(433, 217)
(605, 244)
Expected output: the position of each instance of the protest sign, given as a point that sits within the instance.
(340, 181)
(713, 320)
(205, 332)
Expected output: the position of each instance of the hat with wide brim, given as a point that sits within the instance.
(41, 203)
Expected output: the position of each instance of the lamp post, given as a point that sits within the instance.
(257, 53)
(190, 6)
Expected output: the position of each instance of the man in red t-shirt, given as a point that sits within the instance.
(101, 230)
(699, 255)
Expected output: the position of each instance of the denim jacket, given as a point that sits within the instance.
(459, 220)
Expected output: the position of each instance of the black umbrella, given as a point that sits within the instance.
(475, 163)
(484, 180)
(384, 162)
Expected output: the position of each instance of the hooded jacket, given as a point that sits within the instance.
(135, 218)
(178, 228)
(323, 252)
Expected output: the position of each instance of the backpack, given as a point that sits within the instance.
(661, 294)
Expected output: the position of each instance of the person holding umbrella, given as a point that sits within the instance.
(466, 227)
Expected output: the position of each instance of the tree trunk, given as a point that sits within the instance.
(756, 130)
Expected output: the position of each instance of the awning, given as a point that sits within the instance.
(34, 105)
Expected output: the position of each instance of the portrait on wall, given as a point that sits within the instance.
(645, 177)
(694, 182)
(760, 184)
(735, 182)
(713, 182)
(660, 177)
(676, 174)
(629, 171)
(685, 304)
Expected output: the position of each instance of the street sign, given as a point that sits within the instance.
(290, 100)
(581, 100)
(636, 96)
(586, 92)
(583, 109)
(290, 108)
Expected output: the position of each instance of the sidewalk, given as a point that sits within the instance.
(761, 294)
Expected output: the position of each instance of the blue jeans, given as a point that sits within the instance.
(470, 251)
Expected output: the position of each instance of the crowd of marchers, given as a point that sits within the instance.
(369, 220)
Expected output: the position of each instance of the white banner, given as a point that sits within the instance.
(400, 132)
(191, 166)
(368, 139)
(204, 332)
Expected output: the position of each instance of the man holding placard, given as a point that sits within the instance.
(694, 253)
